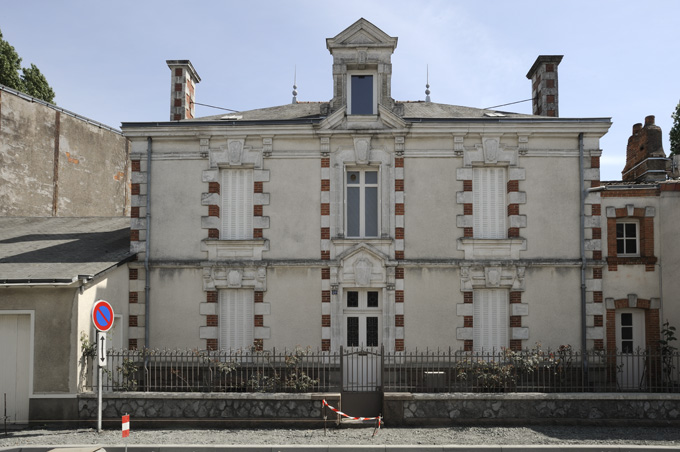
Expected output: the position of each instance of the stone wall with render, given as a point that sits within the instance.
(208, 406)
(428, 409)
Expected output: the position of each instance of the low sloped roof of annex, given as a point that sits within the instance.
(58, 250)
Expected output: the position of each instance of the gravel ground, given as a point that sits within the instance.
(531, 435)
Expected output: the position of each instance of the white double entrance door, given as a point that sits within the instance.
(362, 326)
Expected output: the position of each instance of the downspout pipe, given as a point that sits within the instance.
(582, 236)
(147, 287)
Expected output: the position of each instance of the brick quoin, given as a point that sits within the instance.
(133, 273)
(136, 166)
(594, 162)
(398, 233)
(134, 235)
(467, 185)
(259, 344)
(213, 210)
(325, 184)
(133, 297)
(132, 320)
(513, 232)
(325, 345)
(325, 320)
(325, 162)
(325, 296)
(513, 209)
(326, 273)
(597, 233)
(515, 297)
(177, 117)
(399, 209)
(132, 344)
(550, 83)
(134, 212)
(258, 320)
(467, 345)
(468, 232)
(211, 296)
(214, 187)
(325, 233)
(468, 321)
(597, 297)
(257, 210)
(594, 183)
(257, 187)
(551, 112)
(213, 233)
(399, 185)
(178, 71)
(597, 255)
(399, 320)
(399, 162)
(178, 102)
(515, 321)
(399, 273)
(597, 210)
(467, 209)
(399, 345)
(257, 233)
(516, 345)
(513, 186)
(325, 255)
(178, 87)
(550, 98)
(211, 320)
(325, 208)
(468, 297)
(597, 273)
(398, 296)
(259, 297)
(598, 344)
(134, 189)
(399, 255)
(599, 320)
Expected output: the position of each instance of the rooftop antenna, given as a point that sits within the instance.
(295, 86)
(427, 85)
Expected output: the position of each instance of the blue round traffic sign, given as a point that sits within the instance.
(102, 315)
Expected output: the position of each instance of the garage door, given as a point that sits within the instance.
(15, 349)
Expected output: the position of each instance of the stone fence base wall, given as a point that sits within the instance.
(150, 408)
(458, 408)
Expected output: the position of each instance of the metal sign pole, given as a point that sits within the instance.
(99, 394)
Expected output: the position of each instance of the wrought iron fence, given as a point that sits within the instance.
(304, 370)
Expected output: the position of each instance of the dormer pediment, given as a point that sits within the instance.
(362, 33)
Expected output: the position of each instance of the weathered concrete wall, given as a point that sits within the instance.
(54, 164)
(427, 409)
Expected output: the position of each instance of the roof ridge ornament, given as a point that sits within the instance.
(295, 86)
(427, 85)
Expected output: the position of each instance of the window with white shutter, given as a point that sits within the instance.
(236, 318)
(490, 321)
(488, 203)
(237, 204)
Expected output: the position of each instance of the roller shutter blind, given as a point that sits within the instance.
(488, 203)
(490, 321)
(236, 318)
(237, 204)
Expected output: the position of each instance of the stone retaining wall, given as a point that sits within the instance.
(208, 406)
(448, 408)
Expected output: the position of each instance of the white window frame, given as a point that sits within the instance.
(236, 318)
(624, 238)
(349, 90)
(236, 210)
(362, 201)
(489, 208)
(491, 321)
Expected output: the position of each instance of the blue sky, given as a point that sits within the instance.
(106, 60)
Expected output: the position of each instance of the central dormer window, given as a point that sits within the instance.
(362, 99)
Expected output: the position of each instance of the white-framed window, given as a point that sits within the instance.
(490, 320)
(627, 238)
(237, 204)
(362, 318)
(236, 318)
(361, 94)
(489, 209)
(362, 203)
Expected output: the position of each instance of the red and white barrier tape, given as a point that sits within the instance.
(335, 410)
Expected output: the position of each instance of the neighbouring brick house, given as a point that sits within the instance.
(369, 221)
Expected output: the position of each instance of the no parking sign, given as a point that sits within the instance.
(102, 316)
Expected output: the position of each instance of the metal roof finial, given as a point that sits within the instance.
(427, 85)
(295, 86)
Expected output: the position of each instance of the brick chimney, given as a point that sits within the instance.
(543, 76)
(183, 80)
(645, 158)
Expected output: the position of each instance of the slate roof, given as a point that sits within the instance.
(312, 110)
(58, 250)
